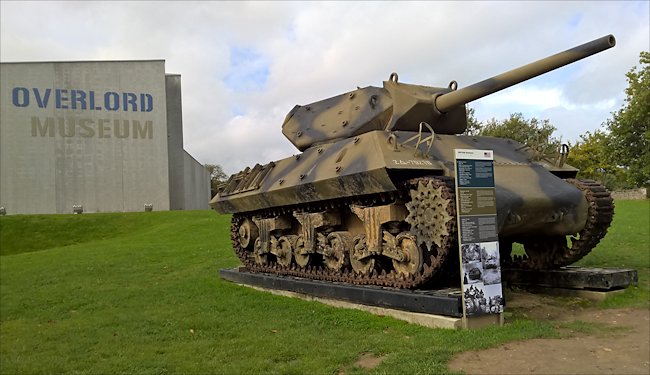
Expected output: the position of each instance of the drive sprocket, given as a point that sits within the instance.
(428, 212)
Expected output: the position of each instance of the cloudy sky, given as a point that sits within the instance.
(244, 65)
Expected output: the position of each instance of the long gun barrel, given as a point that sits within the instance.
(445, 102)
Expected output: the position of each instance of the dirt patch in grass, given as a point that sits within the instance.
(368, 361)
(614, 341)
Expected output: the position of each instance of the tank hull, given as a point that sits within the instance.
(532, 197)
(379, 209)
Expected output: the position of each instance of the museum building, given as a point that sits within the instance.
(95, 136)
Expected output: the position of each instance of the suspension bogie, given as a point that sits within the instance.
(362, 240)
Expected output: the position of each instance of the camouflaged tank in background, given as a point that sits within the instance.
(370, 198)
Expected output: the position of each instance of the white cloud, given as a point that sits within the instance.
(528, 96)
(309, 51)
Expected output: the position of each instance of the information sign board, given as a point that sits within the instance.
(477, 232)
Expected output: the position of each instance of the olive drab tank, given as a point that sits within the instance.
(370, 198)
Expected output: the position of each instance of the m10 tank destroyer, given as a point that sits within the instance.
(370, 199)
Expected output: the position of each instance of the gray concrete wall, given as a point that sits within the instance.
(175, 142)
(197, 184)
(89, 133)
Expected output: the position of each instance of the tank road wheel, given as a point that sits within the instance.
(260, 258)
(247, 233)
(543, 253)
(413, 260)
(284, 250)
(337, 253)
(362, 266)
(302, 258)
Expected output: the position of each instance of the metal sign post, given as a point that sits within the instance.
(477, 234)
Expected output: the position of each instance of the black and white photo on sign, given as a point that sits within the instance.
(471, 252)
(489, 254)
(472, 272)
(483, 299)
(491, 263)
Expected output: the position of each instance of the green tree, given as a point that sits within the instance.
(532, 132)
(592, 156)
(217, 176)
(473, 125)
(629, 127)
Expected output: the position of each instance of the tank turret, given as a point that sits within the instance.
(400, 106)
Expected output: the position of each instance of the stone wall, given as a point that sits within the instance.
(630, 194)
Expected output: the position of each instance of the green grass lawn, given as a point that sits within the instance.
(627, 244)
(140, 293)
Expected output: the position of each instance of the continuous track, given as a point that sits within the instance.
(432, 264)
(543, 252)
(559, 251)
